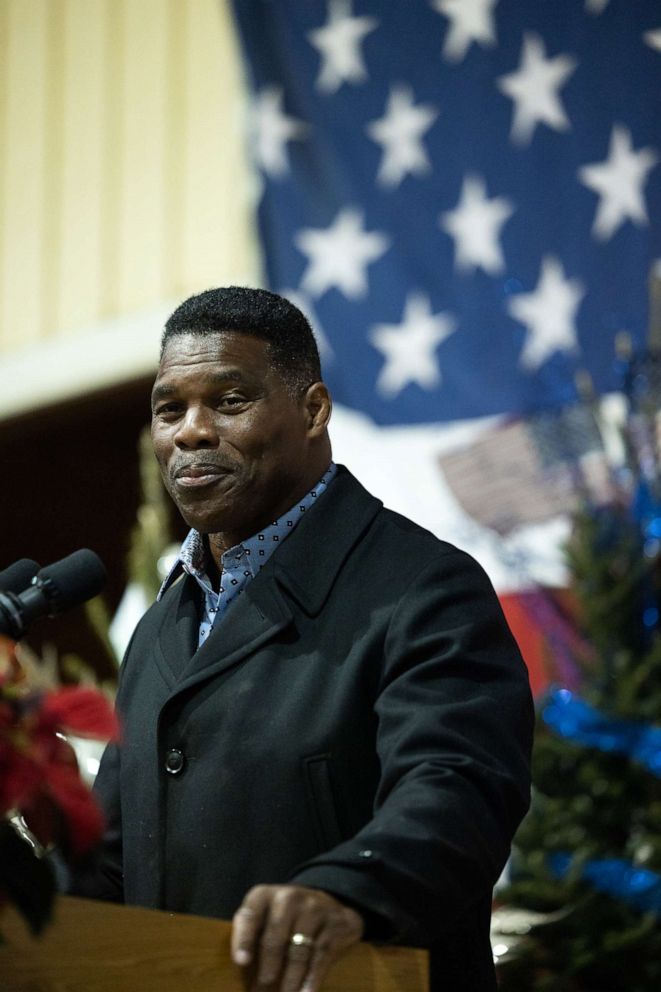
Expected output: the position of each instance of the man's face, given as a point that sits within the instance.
(233, 447)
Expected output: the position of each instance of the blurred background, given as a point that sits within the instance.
(464, 197)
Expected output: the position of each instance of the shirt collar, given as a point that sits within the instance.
(252, 553)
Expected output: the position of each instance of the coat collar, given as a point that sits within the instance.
(301, 575)
(308, 564)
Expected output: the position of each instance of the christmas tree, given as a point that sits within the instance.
(583, 908)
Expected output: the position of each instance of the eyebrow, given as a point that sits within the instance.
(163, 390)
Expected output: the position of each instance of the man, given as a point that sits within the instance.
(326, 721)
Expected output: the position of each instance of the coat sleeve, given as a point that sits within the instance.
(454, 736)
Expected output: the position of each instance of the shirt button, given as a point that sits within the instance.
(175, 761)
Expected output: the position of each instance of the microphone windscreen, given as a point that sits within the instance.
(18, 576)
(73, 580)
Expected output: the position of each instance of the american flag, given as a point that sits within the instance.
(464, 193)
(465, 197)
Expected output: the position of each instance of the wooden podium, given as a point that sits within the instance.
(103, 947)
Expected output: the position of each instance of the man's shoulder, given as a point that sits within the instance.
(393, 533)
(414, 547)
(394, 522)
(406, 529)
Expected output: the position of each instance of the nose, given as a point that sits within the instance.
(197, 429)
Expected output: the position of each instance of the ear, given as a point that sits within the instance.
(317, 405)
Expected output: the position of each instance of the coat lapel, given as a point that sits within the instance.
(308, 563)
(256, 616)
(177, 637)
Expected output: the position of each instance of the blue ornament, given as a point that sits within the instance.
(574, 719)
(638, 887)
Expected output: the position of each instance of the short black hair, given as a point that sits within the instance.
(292, 347)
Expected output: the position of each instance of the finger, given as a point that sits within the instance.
(322, 956)
(247, 924)
(299, 953)
(335, 937)
(274, 938)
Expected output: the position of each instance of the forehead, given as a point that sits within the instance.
(203, 355)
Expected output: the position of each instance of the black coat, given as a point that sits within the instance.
(359, 721)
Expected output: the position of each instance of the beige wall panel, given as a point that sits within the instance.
(53, 159)
(123, 183)
(175, 151)
(24, 144)
(219, 242)
(79, 269)
(142, 151)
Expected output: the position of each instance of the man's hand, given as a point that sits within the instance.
(291, 935)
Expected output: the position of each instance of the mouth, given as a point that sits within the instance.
(197, 476)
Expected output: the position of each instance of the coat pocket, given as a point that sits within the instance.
(322, 802)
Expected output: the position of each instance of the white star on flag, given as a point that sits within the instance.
(470, 20)
(596, 6)
(653, 39)
(534, 89)
(548, 313)
(619, 182)
(339, 255)
(272, 130)
(400, 132)
(475, 225)
(409, 348)
(338, 43)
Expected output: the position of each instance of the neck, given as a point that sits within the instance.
(220, 542)
(217, 545)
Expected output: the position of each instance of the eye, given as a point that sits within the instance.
(233, 400)
(167, 410)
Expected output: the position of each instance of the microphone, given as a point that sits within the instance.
(54, 589)
(19, 575)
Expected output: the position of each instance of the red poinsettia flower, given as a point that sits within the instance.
(65, 812)
(80, 711)
(38, 770)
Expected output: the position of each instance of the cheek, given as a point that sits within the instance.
(258, 438)
(271, 448)
(161, 452)
(159, 439)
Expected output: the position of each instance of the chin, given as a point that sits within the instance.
(202, 523)
(197, 517)
(207, 523)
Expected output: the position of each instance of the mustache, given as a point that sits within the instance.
(182, 465)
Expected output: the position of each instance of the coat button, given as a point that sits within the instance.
(175, 761)
(366, 854)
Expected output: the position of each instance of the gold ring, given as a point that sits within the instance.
(301, 940)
